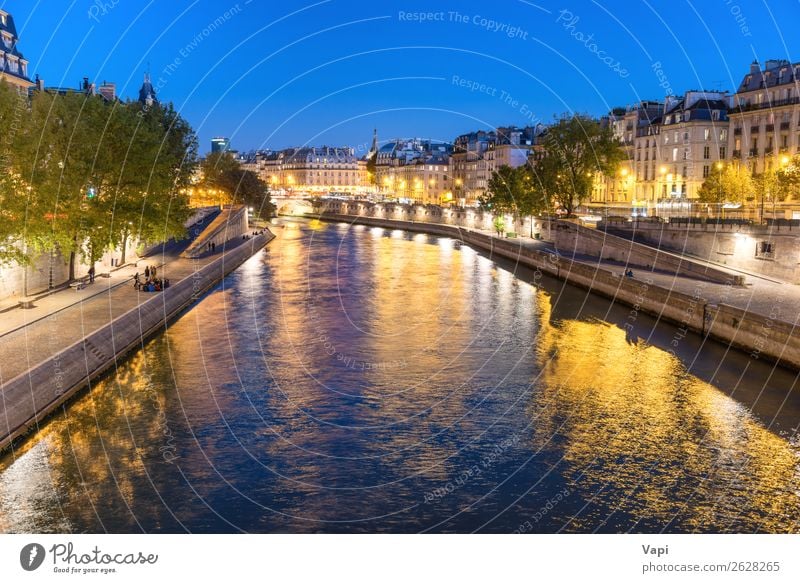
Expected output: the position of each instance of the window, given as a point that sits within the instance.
(674, 154)
(706, 171)
(707, 153)
(723, 136)
(765, 250)
(722, 152)
(707, 135)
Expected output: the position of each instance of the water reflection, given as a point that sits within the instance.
(360, 380)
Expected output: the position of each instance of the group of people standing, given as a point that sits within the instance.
(151, 283)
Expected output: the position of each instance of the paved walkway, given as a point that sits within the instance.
(27, 337)
(773, 299)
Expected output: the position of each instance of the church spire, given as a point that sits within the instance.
(373, 151)
(147, 94)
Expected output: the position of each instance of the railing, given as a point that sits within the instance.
(754, 151)
(768, 105)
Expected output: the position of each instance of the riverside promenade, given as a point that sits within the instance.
(49, 352)
(759, 317)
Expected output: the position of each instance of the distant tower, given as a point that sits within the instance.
(220, 145)
(373, 151)
(147, 94)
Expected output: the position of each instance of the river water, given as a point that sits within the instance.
(355, 379)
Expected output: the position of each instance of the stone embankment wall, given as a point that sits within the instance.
(31, 396)
(763, 336)
(570, 238)
(735, 246)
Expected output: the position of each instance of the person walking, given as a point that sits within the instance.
(136, 283)
(153, 272)
(91, 274)
(147, 272)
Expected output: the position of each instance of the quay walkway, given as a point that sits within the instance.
(51, 351)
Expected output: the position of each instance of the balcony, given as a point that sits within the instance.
(737, 131)
(753, 152)
(755, 129)
(737, 153)
(769, 150)
(770, 127)
(756, 106)
(785, 125)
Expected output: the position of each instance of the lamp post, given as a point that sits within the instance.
(719, 186)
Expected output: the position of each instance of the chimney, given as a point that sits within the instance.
(755, 68)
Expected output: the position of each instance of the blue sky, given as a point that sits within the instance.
(276, 74)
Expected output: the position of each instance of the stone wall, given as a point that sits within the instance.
(570, 238)
(734, 246)
(33, 395)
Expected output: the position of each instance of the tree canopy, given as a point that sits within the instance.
(224, 176)
(515, 190)
(83, 174)
(574, 150)
(731, 182)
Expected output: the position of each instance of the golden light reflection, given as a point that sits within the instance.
(629, 414)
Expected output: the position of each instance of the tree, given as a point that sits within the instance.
(514, 190)
(222, 173)
(727, 183)
(574, 150)
(97, 173)
(499, 225)
(14, 115)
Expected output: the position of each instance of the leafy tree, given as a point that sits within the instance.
(98, 173)
(14, 115)
(499, 225)
(729, 183)
(222, 173)
(788, 177)
(575, 149)
(515, 190)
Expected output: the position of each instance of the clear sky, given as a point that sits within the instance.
(277, 74)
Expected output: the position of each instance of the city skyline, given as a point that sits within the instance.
(330, 72)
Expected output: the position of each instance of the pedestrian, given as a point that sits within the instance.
(153, 272)
(136, 282)
(147, 272)
(91, 274)
(213, 247)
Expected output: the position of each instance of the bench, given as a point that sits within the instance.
(78, 285)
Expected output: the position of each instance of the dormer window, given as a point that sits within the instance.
(3, 19)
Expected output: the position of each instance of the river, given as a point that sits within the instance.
(356, 379)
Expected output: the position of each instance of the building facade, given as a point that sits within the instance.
(314, 171)
(675, 154)
(415, 170)
(477, 155)
(765, 116)
(13, 66)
